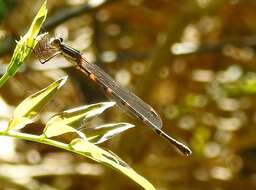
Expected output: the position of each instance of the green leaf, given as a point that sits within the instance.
(77, 116)
(38, 21)
(92, 151)
(57, 128)
(104, 132)
(25, 45)
(31, 106)
(19, 122)
(69, 120)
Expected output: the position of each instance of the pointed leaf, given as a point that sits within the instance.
(19, 123)
(94, 152)
(67, 121)
(30, 107)
(25, 45)
(77, 116)
(32, 104)
(56, 128)
(104, 132)
(38, 21)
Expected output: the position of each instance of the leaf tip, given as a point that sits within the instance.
(109, 104)
(62, 81)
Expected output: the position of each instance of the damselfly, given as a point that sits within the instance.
(46, 49)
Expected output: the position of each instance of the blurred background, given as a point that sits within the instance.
(192, 60)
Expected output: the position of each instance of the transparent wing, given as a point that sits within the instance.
(123, 97)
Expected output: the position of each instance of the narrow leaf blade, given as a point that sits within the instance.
(105, 132)
(57, 128)
(31, 106)
(99, 155)
(19, 123)
(70, 120)
(77, 116)
(25, 44)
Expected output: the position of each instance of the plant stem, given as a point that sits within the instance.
(36, 138)
(41, 139)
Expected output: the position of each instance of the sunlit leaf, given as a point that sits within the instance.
(25, 45)
(94, 152)
(70, 120)
(77, 116)
(57, 128)
(19, 122)
(38, 21)
(31, 106)
(102, 133)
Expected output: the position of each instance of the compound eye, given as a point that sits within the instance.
(55, 42)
